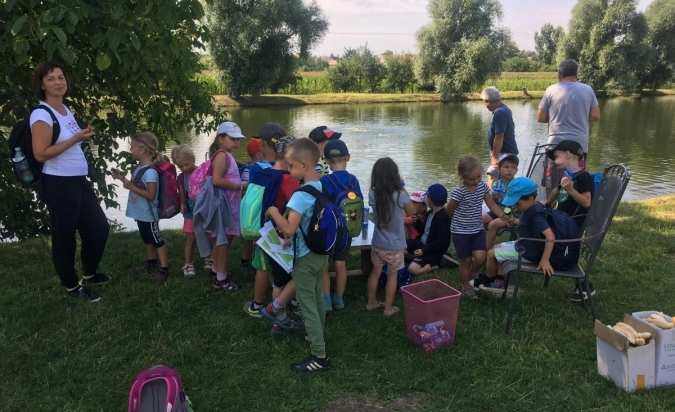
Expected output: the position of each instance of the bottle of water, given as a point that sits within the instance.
(22, 167)
(364, 223)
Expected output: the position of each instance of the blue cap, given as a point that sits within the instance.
(519, 187)
(438, 194)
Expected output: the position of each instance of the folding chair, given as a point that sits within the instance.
(606, 201)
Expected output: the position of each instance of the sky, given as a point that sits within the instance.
(391, 24)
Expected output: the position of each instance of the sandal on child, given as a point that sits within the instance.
(227, 285)
(379, 305)
(394, 310)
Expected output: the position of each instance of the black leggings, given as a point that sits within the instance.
(73, 207)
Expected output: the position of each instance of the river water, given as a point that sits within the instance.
(427, 139)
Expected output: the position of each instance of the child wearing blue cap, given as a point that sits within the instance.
(434, 242)
(521, 196)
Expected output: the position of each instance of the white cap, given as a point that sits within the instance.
(231, 129)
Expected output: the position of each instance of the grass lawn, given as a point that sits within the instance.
(59, 355)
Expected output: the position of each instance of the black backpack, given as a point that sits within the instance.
(22, 137)
(564, 255)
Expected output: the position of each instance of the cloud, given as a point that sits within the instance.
(375, 7)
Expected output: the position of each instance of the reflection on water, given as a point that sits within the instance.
(427, 139)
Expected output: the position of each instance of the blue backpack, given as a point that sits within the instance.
(328, 233)
(564, 255)
(597, 178)
(404, 277)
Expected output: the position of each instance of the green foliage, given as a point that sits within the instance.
(660, 16)
(253, 42)
(341, 77)
(357, 70)
(546, 42)
(400, 72)
(132, 67)
(456, 50)
(311, 64)
(608, 39)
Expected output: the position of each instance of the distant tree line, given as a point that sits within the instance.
(618, 48)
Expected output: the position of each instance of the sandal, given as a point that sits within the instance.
(394, 310)
(380, 305)
(226, 284)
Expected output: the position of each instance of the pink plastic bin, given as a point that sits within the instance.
(431, 314)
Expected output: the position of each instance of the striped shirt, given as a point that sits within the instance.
(467, 218)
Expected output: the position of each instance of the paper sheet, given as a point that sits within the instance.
(271, 243)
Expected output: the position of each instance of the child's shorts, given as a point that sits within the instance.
(260, 259)
(507, 251)
(187, 226)
(392, 258)
(150, 233)
(342, 256)
(465, 244)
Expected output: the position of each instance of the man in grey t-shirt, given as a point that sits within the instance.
(568, 107)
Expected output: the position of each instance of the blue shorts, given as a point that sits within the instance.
(466, 244)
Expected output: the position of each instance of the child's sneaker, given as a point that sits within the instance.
(160, 276)
(328, 304)
(311, 364)
(146, 267)
(84, 294)
(248, 308)
(97, 279)
(338, 302)
(577, 295)
(247, 268)
(469, 293)
(482, 279)
(189, 270)
(295, 307)
(495, 286)
(208, 263)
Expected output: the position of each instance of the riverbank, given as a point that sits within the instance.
(222, 101)
(63, 355)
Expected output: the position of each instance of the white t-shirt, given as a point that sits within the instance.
(72, 161)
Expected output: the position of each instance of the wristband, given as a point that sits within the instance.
(559, 187)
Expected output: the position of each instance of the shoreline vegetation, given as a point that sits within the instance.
(372, 98)
(314, 88)
(72, 356)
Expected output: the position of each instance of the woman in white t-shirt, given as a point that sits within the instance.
(69, 195)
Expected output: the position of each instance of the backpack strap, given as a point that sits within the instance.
(336, 183)
(139, 176)
(56, 127)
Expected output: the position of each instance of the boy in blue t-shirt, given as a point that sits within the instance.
(337, 156)
(508, 167)
(308, 269)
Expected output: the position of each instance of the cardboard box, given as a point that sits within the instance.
(630, 367)
(665, 351)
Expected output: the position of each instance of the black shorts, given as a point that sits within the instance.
(150, 233)
(279, 275)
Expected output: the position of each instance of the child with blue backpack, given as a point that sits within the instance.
(142, 202)
(301, 157)
(279, 188)
(337, 157)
